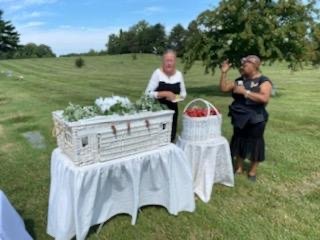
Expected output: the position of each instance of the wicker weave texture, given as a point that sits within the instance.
(106, 138)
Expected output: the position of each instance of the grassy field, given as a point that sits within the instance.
(283, 204)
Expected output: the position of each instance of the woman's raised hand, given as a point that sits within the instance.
(225, 66)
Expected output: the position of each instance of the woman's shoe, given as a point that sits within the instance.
(238, 171)
(252, 178)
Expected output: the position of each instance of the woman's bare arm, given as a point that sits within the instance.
(262, 96)
(225, 84)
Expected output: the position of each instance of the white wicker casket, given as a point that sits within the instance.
(105, 138)
(201, 128)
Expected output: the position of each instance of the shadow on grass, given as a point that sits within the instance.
(18, 119)
(30, 227)
(4, 100)
(94, 230)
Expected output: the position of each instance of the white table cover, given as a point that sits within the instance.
(84, 196)
(11, 225)
(211, 163)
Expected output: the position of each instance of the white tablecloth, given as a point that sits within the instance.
(211, 163)
(84, 196)
(11, 225)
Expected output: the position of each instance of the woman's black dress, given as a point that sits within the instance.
(174, 88)
(249, 120)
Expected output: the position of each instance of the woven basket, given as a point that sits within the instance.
(201, 128)
(105, 138)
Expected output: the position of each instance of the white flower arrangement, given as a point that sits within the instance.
(106, 103)
(114, 105)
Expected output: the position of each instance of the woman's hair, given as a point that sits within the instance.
(171, 51)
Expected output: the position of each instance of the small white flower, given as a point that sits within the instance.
(219, 27)
(286, 39)
(229, 42)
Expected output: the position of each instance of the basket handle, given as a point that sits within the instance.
(208, 104)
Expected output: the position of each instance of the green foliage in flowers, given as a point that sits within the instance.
(76, 112)
(146, 103)
(120, 109)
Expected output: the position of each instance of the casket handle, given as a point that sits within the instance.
(147, 124)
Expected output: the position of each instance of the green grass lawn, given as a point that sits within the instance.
(283, 204)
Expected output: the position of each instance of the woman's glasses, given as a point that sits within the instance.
(245, 60)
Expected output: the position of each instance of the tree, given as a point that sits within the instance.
(140, 38)
(157, 39)
(314, 47)
(195, 40)
(143, 37)
(113, 44)
(9, 38)
(28, 51)
(44, 51)
(32, 50)
(271, 29)
(177, 38)
(124, 42)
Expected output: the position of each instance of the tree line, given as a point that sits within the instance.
(145, 38)
(10, 47)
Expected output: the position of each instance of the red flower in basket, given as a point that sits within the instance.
(200, 112)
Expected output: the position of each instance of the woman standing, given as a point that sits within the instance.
(166, 84)
(251, 93)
